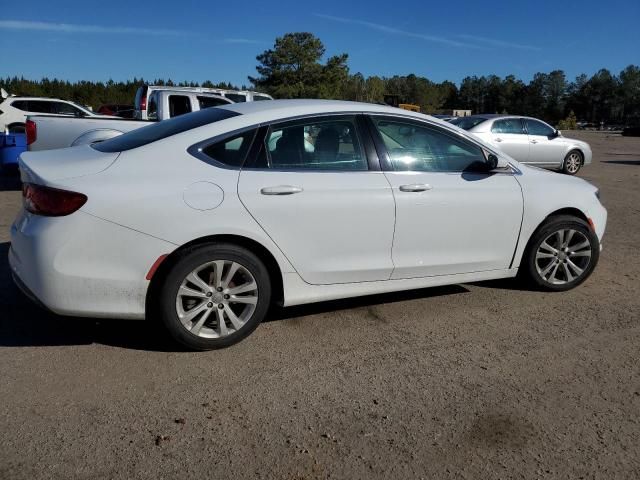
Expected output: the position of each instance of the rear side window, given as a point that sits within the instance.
(41, 106)
(258, 98)
(179, 105)
(507, 125)
(208, 102)
(21, 105)
(164, 129)
(66, 109)
(231, 151)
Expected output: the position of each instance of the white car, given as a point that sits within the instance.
(14, 111)
(529, 140)
(202, 222)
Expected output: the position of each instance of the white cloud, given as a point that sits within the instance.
(246, 41)
(77, 28)
(498, 43)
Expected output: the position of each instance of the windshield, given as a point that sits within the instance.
(467, 123)
(166, 128)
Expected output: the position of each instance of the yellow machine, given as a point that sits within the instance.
(410, 106)
(394, 101)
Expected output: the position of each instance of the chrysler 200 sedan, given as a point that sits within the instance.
(205, 220)
(529, 141)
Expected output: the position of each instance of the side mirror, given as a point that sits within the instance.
(494, 162)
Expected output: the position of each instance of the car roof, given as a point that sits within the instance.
(39, 98)
(292, 108)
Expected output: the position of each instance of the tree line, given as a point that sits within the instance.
(294, 68)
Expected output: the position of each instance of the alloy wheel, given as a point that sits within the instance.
(573, 162)
(217, 299)
(563, 256)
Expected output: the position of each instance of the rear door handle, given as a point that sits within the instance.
(498, 140)
(415, 187)
(280, 190)
(534, 141)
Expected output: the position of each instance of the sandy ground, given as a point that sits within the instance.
(469, 381)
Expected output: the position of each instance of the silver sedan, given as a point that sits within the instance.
(529, 140)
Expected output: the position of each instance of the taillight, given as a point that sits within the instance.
(143, 102)
(51, 202)
(31, 131)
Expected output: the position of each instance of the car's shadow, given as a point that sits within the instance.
(622, 162)
(10, 181)
(24, 324)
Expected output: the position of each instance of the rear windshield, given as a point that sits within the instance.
(166, 128)
(468, 122)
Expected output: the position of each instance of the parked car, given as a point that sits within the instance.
(144, 93)
(202, 222)
(14, 111)
(47, 132)
(529, 140)
(117, 110)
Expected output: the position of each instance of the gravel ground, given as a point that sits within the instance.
(468, 381)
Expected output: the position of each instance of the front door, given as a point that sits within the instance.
(451, 216)
(545, 147)
(311, 189)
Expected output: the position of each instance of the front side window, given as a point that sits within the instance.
(257, 97)
(315, 144)
(534, 127)
(507, 125)
(66, 109)
(236, 97)
(179, 105)
(207, 102)
(418, 148)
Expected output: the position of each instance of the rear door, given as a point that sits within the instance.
(509, 135)
(544, 146)
(314, 186)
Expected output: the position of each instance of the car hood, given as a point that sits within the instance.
(48, 166)
(540, 176)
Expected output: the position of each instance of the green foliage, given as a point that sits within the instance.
(569, 123)
(293, 69)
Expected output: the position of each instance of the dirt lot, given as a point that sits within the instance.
(469, 381)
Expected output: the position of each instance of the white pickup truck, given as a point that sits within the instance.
(47, 132)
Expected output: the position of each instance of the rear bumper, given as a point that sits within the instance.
(83, 266)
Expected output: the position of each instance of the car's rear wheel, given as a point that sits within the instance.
(562, 253)
(572, 162)
(214, 296)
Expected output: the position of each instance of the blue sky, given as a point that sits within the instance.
(196, 41)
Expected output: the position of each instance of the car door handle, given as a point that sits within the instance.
(415, 187)
(280, 190)
(498, 140)
(534, 141)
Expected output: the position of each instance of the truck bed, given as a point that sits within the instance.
(60, 132)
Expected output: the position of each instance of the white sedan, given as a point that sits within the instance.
(529, 140)
(202, 221)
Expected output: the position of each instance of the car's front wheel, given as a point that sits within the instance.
(214, 296)
(572, 162)
(562, 253)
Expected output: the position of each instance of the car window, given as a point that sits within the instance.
(507, 125)
(231, 151)
(21, 105)
(314, 144)
(152, 107)
(41, 106)
(535, 127)
(179, 105)
(236, 97)
(160, 130)
(207, 102)
(66, 109)
(467, 123)
(258, 98)
(426, 149)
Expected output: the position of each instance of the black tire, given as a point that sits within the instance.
(187, 262)
(529, 266)
(569, 166)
